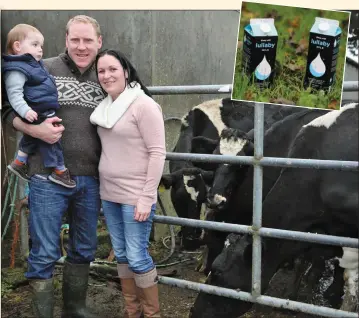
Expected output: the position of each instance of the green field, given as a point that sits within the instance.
(293, 26)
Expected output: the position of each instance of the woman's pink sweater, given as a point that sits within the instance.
(133, 155)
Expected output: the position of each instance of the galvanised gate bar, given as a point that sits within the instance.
(258, 161)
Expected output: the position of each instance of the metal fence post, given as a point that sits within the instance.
(257, 199)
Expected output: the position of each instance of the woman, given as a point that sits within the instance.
(131, 129)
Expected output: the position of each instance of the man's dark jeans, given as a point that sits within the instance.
(47, 203)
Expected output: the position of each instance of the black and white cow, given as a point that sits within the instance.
(306, 200)
(230, 198)
(188, 180)
(209, 119)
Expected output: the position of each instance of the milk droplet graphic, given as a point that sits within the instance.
(263, 69)
(317, 67)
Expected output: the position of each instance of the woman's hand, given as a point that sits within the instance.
(141, 216)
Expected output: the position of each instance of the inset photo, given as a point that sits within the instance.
(291, 56)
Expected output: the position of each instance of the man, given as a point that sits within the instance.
(79, 93)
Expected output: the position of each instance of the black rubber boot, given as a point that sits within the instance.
(42, 297)
(74, 290)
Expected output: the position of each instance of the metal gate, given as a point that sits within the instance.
(258, 161)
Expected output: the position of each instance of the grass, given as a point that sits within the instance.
(293, 26)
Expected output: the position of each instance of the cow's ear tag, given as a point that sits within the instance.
(161, 188)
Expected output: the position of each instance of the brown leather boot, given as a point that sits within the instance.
(133, 307)
(148, 292)
(132, 301)
(150, 301)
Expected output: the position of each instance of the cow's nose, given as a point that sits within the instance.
(220, 205)
(219, 199)
(212, 203)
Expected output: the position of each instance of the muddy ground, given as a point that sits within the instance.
(104, 294)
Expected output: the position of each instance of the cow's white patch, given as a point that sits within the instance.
(212, 109)
(190, 190)
(329, 118)
(184, 121)
(231, 146)
(218, 199)
(349, 261)
(324, 283)
(226, 243)
(351, 278)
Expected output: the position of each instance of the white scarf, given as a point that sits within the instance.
(108, 112)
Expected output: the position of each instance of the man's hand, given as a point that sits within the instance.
(141, 216)
(31, 115)
(49, 130)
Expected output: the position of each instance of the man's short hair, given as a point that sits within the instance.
(84, 19)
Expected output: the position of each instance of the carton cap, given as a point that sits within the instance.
(262, 27)
(324, 26)
(265, 28)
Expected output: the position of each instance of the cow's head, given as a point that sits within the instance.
(231, 269)
(227, 176)
(192, 179)
(188, 192)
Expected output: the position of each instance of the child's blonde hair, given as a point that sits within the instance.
(18, 33)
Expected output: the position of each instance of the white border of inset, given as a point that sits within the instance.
(291, 6)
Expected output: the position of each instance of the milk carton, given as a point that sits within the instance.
(323, 51)
(259, 50)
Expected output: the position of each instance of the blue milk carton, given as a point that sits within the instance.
(259, 50)
(323, 51)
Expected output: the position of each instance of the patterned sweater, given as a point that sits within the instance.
(78, 95)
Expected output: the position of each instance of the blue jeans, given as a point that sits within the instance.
(51, 154)
(48, 202)
(129, 237)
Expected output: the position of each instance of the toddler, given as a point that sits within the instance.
(32, 93)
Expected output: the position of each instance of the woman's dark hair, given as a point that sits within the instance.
(127, 66)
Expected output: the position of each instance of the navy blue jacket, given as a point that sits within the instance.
(40, 90)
